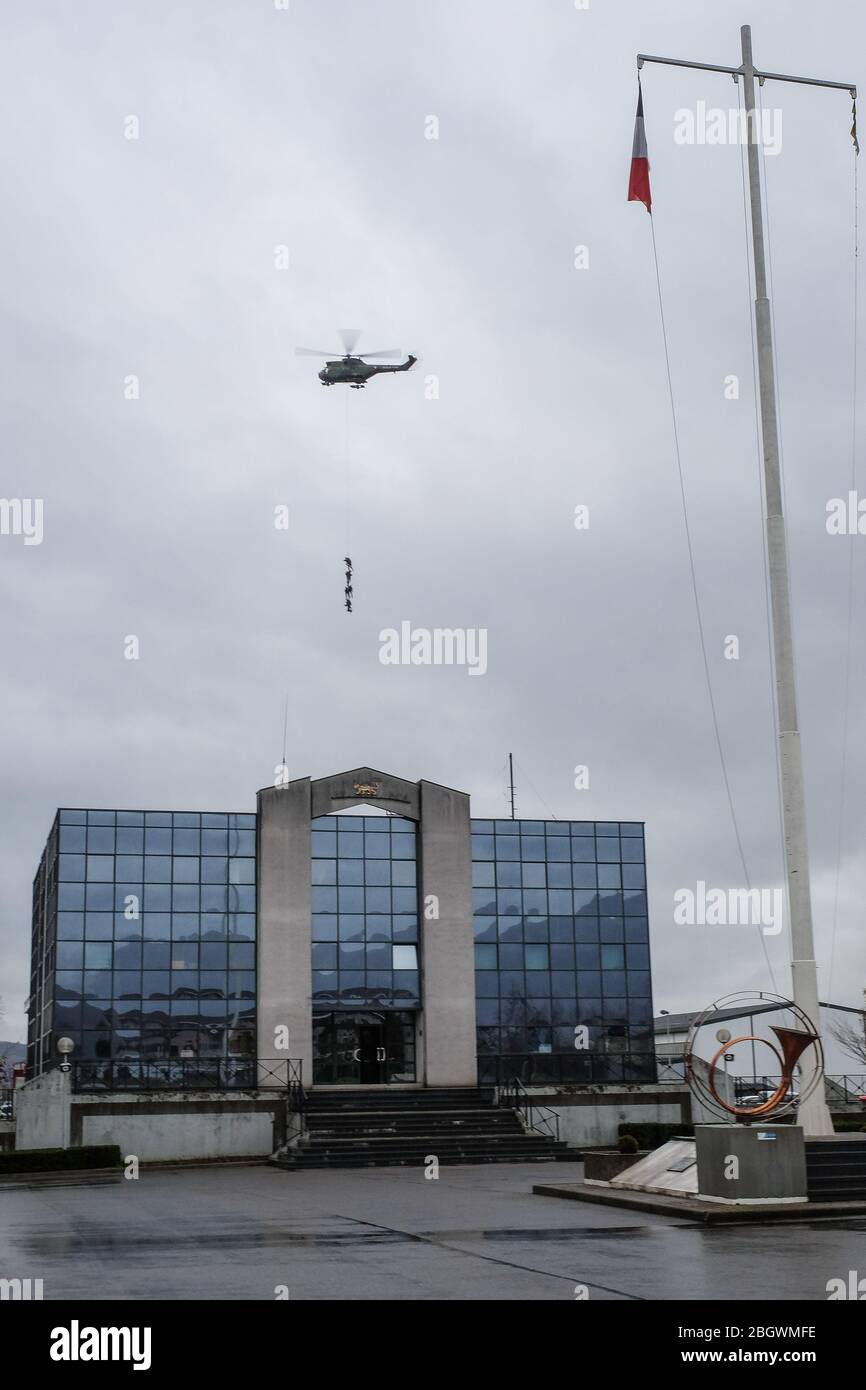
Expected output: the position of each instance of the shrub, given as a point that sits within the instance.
(60, 1160)
(628, 1144)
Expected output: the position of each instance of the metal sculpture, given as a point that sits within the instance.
(793, 1043)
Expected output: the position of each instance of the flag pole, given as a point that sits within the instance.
(813, 1114)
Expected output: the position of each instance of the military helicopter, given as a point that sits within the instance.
(352, 368)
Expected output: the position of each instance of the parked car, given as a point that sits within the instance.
(753, 1097)
(761, 1097)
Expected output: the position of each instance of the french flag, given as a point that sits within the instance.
(638, 181)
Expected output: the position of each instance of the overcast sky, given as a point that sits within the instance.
(155, 257)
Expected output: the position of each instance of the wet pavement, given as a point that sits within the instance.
(391, 1233)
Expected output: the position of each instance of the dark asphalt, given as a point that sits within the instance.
(390, 1233)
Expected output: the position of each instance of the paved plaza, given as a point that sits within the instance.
(389, 1233)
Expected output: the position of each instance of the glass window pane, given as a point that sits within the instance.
(537, 957)
(185, 897)
(157, 868)
(97, 955)
(73, 839)
(100, 839)
(323, 844)
(242, 870)
(99, 926)
(185, 869)
(100, 867)
(70, 867)
(130, 840)
(324, 927)
(157, 841)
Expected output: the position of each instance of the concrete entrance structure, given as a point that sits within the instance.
(446, 1024)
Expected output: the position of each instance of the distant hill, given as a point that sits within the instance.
(13, 1051)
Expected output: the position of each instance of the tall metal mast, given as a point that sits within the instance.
(813, 1114)
(511, 781)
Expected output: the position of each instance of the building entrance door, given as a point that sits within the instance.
(371, 1053)
(363, 1049)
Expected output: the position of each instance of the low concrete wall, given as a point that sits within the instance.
(590, 1117)
(182, 1125)
(42, 1112)
(605, 1164)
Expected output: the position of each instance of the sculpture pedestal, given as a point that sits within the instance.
(751, 1163)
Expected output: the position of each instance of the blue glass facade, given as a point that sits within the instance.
(144, 937)
(562, 945)
(364, 912)
(144, 947)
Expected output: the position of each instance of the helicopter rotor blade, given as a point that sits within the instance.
(316, 352)
(350, 337)
(383, 352)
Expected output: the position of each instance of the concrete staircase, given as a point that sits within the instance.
(362, 1128)
(836, 1169)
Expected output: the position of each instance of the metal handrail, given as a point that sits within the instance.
(184, 1074)
(852, 1085)
(518, 1098)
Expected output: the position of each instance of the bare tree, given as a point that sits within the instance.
(851, 1037)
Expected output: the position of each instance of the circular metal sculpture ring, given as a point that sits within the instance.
(793, 1043)
(766, 1106)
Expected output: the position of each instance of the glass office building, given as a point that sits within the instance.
(562, 972)
(360, 924)
(144, 930)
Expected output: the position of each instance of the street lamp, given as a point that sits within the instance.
(64, 1047)
(724, 1036)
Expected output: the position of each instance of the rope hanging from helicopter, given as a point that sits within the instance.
(353, 369)
(348, 591)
